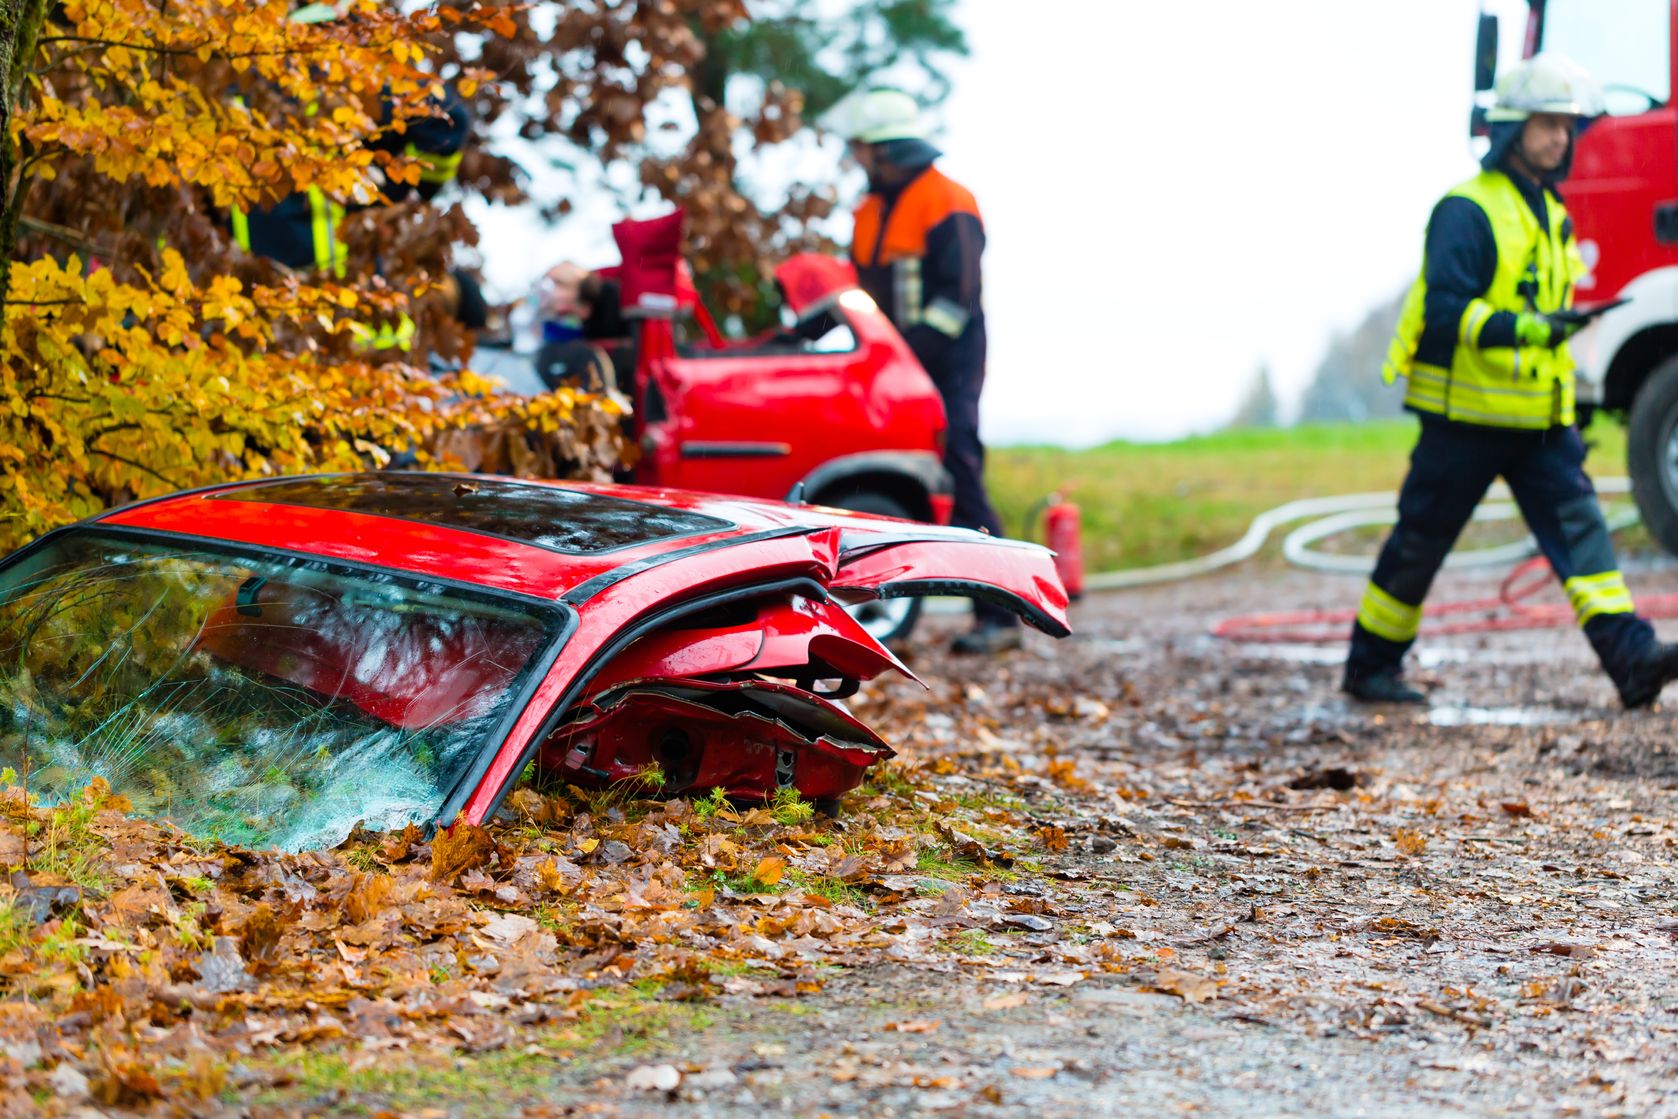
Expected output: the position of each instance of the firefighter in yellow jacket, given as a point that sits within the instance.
(1482, 345)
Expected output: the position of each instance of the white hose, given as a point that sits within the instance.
(1333, 515)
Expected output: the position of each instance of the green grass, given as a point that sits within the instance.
(613, 1023)
(835, 890)
(65, 844)
(968, 942)
(1147, 503)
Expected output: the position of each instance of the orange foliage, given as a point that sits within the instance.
(141, 351)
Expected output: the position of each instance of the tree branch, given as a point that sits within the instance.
(140, 466)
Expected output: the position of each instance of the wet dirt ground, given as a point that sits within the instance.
(1318, 908)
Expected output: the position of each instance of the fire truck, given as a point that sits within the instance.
(1622, 193)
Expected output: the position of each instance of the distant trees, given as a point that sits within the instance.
(1259, 408)
(1347, 384)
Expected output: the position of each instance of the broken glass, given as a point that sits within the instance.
(266, 701)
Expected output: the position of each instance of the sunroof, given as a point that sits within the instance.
(564, 520)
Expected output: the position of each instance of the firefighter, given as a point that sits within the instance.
(916, 248)
(300, 231)
(1482, 344)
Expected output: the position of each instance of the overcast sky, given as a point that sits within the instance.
(1174, 193)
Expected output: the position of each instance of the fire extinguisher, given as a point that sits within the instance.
(1062, 524)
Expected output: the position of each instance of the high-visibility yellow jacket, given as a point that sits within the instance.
(1488, 377)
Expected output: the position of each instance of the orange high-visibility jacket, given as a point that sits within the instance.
(917, 253)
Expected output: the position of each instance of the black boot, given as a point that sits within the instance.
(985, 640)
(1380, 687)
(1642, 683)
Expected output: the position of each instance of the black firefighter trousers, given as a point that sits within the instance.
(958, 369)
(1451, 468)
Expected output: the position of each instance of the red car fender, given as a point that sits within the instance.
(1021, 577)
(785, 634)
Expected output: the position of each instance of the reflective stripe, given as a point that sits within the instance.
(906, 290)
(1474, 318)
(331, 254)
(946, 317)
(1509, 404)
(1598, 594)
(434, 168)
(385, 336)
(1385, 616)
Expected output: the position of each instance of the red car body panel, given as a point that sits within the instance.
(650, 619)
(789, 634)
(768, 415)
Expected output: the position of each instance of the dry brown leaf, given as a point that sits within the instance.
(1410, 841)
(398, 846)
(915, 1026)
(1563, 948)
(259, 936)
(897, 856)
(769, 870)
(1185, 985)
(12, 848)
(1006, 1002)
(368, 897)
(458, 849)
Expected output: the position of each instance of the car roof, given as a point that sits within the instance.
(525, 536)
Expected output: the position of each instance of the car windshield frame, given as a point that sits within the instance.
(557, 619)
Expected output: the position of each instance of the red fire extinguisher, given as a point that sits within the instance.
(1061, 529)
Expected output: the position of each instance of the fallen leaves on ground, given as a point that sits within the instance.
(1209, 842)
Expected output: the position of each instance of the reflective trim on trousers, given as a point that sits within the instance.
(1385, 616)
(1592, 595)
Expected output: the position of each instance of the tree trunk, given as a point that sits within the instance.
(20, 24)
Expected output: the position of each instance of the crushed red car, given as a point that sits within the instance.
(272, 662)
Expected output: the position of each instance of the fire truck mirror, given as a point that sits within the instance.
(1485, 53)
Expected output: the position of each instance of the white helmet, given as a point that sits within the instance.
(1546, 83)
(873, 116)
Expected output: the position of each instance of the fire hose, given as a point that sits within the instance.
(1325, 517)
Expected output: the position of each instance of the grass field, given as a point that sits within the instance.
(1146, 503)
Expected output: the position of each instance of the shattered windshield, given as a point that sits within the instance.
(266, 702)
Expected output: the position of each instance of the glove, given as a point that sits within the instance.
(1547, 331)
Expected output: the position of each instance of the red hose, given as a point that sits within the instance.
(1508, 611)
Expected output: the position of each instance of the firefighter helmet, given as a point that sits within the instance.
(873, 116)
(1546, 83)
